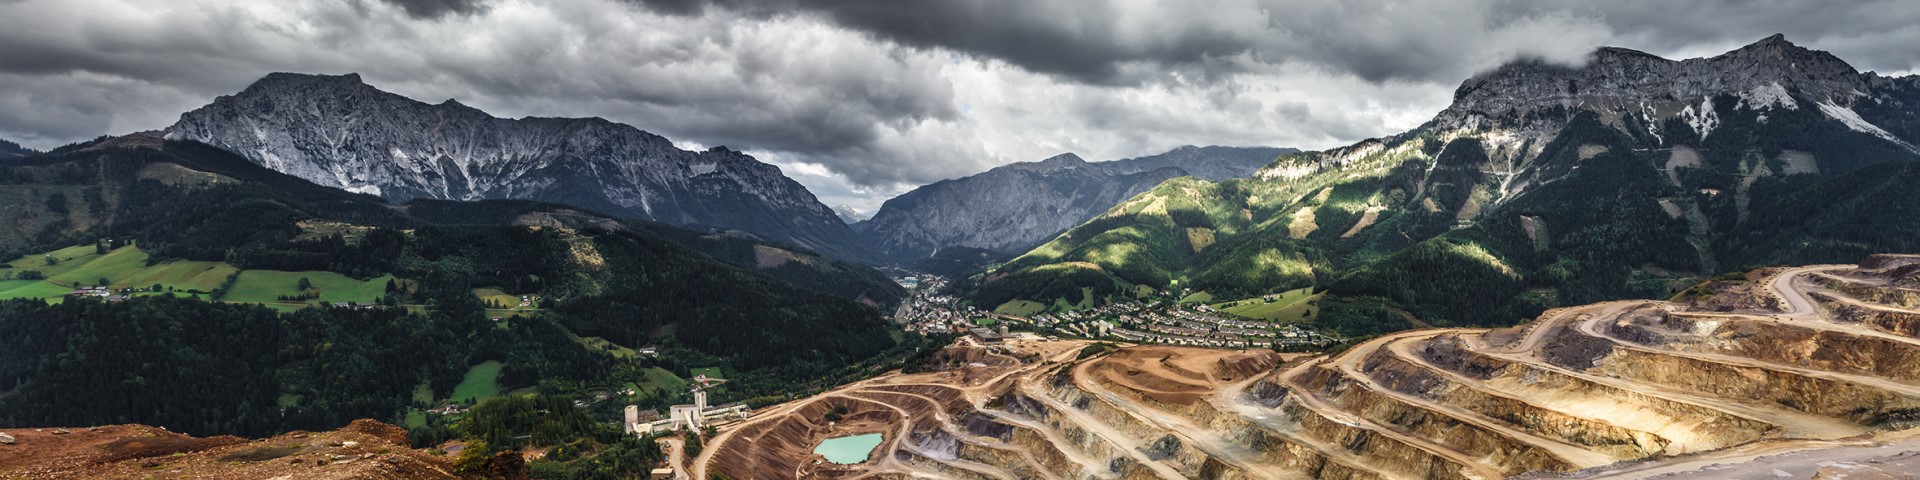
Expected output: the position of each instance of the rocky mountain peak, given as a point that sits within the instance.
(336, 130)
(1054, 163)
(1625, 79)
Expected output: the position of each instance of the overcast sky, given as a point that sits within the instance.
(863, 99)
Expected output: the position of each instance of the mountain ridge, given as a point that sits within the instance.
(1015, 206)
(341, 132)
(1548, 184)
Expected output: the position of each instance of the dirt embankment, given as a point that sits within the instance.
(365, 449)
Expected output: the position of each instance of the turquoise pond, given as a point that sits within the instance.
(848, 450)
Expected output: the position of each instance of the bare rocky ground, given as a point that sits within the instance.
(1809, 372)
(363, 450)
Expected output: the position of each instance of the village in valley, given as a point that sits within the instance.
(931, 309)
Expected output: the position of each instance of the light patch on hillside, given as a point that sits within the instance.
(1536, 230)
(1199, 238)
(1798, 163)
(1430, 205)
(1743, 196)
(1673, 210)
(1702, 117)
(769, 257)
(312, 229)
(176, 175)
(1681, 157)
(1767, 96)
(1114, 253)
(1371, 215)
(1303, 223)
(585, 253)
(1853, 121)
(1325, 193)
(1476, 252)
(1589, 151)
(1476, 198)
(1271, 260)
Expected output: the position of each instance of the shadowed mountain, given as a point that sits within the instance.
(1014, 207)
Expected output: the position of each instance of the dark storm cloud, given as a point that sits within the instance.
(1095, 41)
(438, 8)
(863, 96)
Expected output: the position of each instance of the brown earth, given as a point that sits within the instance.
(365, 449)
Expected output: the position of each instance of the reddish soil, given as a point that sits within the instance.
(363, 450)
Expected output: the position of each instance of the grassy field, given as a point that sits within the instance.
(495, 296)
(423, 393)
(415, 420)
(11, 289)
(482, 381)
(122, 267)
(1289, 306)
(266, 286)
(710, 372)
(1198, 297)
(660, 379)
(127, 267)
(1020, 307)
(62, 255)
(602, 344)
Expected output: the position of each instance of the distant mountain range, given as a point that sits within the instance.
(340, 132)
(1541, 185)
(1014, 207)
(849, 215)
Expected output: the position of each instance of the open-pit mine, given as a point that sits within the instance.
(1793, 372)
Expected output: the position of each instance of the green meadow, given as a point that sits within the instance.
(482, 382)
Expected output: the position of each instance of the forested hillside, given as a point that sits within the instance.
(249, 355)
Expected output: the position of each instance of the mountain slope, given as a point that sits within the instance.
(10, 149)
(1013, 207)
(232, 366)
(1545, 184)
(339, 132)
(162, 191)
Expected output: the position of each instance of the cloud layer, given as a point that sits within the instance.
(861, 99)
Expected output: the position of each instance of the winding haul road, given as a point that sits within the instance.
(1661, 413)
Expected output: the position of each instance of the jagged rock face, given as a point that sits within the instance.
(1013, 207)
(1618, 82)
(340, 132)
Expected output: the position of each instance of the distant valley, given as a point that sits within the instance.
(1012, 208)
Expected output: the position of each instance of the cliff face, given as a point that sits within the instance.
(337, 131)
(1014, 207)
(1789, 355)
